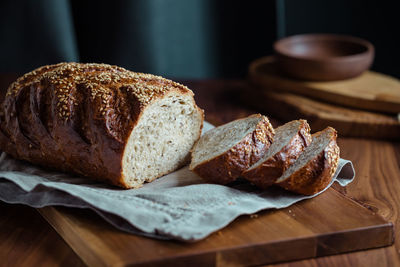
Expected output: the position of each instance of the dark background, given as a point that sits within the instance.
(183, 39)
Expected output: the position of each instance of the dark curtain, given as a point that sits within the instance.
(174, 38)
(35, 33)
(183, 39)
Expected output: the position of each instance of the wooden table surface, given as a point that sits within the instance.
(26, 239)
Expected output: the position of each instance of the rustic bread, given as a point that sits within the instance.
(315, 167)
(223, 153)
(289, 141)
(100, 121)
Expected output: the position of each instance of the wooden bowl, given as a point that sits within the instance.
(323, 57)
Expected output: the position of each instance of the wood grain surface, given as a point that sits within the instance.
(311, 228)
(303, 230)
(370, 91)
(26, 239)
(348, 122)
(376, 187)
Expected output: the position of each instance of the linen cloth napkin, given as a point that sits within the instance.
(177, 206)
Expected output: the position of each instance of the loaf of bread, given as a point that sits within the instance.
(223, 153)
(289, 142)
(100, 121)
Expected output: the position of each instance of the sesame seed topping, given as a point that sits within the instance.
(101, 81)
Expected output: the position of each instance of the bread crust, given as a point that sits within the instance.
(228, 166)
(318, 172)
(272, 168)
(78, 117)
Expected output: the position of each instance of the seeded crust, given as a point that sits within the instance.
(272, 168)
(228, 166)
(77, 117)
(318, 172)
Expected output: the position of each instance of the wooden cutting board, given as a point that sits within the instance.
(370, 91)
(325, 225)
(348, 122)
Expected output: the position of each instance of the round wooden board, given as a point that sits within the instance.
(370, 91)
(348, 122)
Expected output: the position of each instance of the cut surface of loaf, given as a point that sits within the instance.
(314, 168)
(161, 141)
(100, 121)
(223, 153)
(289, 141)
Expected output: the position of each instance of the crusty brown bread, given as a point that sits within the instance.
(223, 153)
(315, 167)
(289, 142)
(100, 121)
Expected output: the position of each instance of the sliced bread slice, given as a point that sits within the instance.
(314, 168)
(223, 153)
(289, 141)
